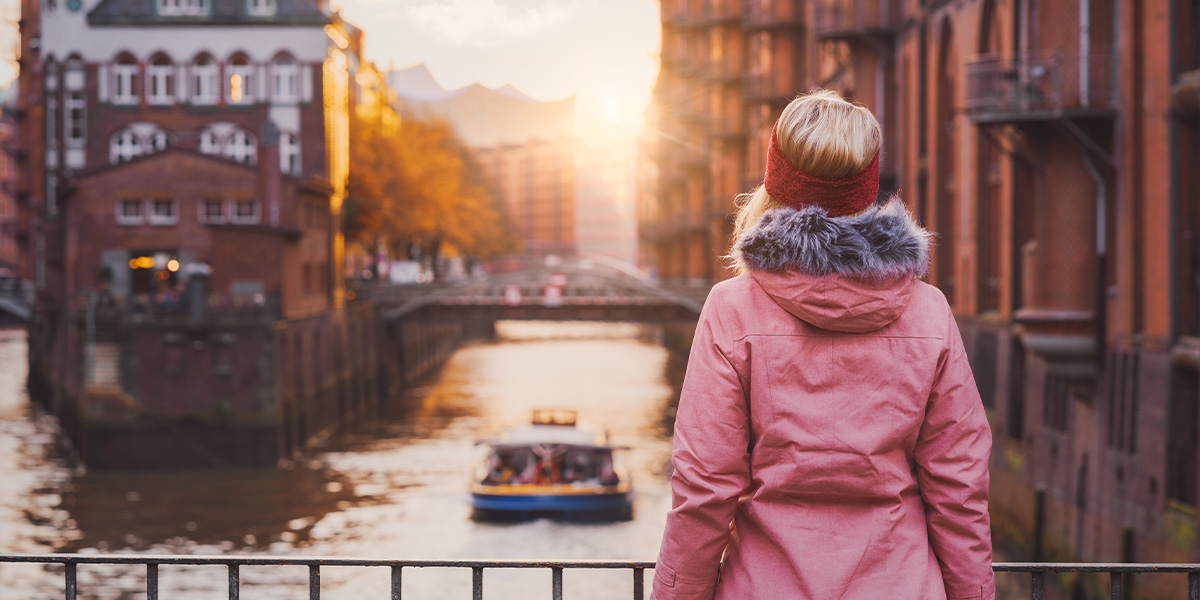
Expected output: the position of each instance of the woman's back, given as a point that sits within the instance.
(829, 415)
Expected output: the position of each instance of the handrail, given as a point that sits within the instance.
(234, 563)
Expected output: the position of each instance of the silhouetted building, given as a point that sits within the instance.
(526, 148)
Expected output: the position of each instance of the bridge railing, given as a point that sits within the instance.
(233, 563)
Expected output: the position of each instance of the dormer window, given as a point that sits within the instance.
(261, 8)
(183, 8)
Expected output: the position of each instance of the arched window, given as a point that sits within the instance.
(241, 147)
(241, 80)
(52, 74)
(138, 139)
(204, 80)
(75, 79)
(209, 142)
(125, 80)
(285, 75)
(160, 80)
(289, 153)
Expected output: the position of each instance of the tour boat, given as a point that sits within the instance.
(553, 467)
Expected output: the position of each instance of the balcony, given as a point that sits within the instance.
(722, 12)
(772, 14)
(770, 87)
(846, 19)
(1041, 88)
(728, 126)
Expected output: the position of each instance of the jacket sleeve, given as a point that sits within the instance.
(952, 471)
(711, 457)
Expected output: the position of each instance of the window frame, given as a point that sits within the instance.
(161, 76)
(152, 216)
(246, 72)
(128, 220)
(285, 73)
(205, 217)
(236, 218)
(75, 119)
(204, 81)
(125, 71)
(262, 8)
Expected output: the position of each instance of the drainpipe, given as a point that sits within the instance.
(1085, 48)
(1101, 255)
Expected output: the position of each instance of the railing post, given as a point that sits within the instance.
(396, 582)
(70, 583)
(1114, 586)
(477, 583)
(314, 582)
(1193, 586)
(639, 583)
(151, 581)
(235, 582)
(556, 588)
(1037, 585)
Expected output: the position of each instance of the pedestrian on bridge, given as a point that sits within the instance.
(830, 442)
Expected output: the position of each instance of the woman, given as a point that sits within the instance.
(830, 442)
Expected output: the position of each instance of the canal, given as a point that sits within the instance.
(393, 487)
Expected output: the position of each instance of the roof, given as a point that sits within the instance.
(552, 434)
(224, 12)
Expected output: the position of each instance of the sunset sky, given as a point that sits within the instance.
(605, 52)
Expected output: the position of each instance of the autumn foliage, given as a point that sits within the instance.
(418, 189)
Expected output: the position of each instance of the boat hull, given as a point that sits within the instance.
(606, 506)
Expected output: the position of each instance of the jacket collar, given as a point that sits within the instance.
(882, 243)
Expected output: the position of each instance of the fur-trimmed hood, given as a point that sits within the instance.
(850, 274)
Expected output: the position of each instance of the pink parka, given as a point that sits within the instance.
(830, 442)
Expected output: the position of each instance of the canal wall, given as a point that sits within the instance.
(134, 392)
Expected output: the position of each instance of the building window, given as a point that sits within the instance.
(182, 8)
(163, 212)
(125, 80)
(76, 77)
(51, 74)
(212, 211)
(1056, 398)
(241, 147)
(261, 8)
(1183, 436)
(289, 153)
(74, 115)
(160, 81)
(204, 81)
(130, 212)
(285, 75)
(245, 212)
(139, 139)
(241, 80)
(209, 144)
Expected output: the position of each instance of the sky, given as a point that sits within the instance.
(603, 52)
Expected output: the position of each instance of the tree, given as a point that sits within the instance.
(421, 191)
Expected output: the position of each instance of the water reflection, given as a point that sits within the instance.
(395, 486)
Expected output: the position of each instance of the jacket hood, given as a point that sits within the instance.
(853, 274)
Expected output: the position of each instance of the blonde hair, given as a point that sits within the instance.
(823, 135)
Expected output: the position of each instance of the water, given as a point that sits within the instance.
(394, 487)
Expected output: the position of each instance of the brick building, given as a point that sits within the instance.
(1052, 146)
(183, 168)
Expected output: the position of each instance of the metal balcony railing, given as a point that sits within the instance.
(769, 87)
(233, 564)
(1041, 87)
(833, 19)
(766, 14)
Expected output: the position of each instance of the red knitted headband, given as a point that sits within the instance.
(839, 197)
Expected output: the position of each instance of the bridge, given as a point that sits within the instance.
(567, 289)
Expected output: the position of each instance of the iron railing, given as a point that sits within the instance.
(1039, 86)
(71, 562)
